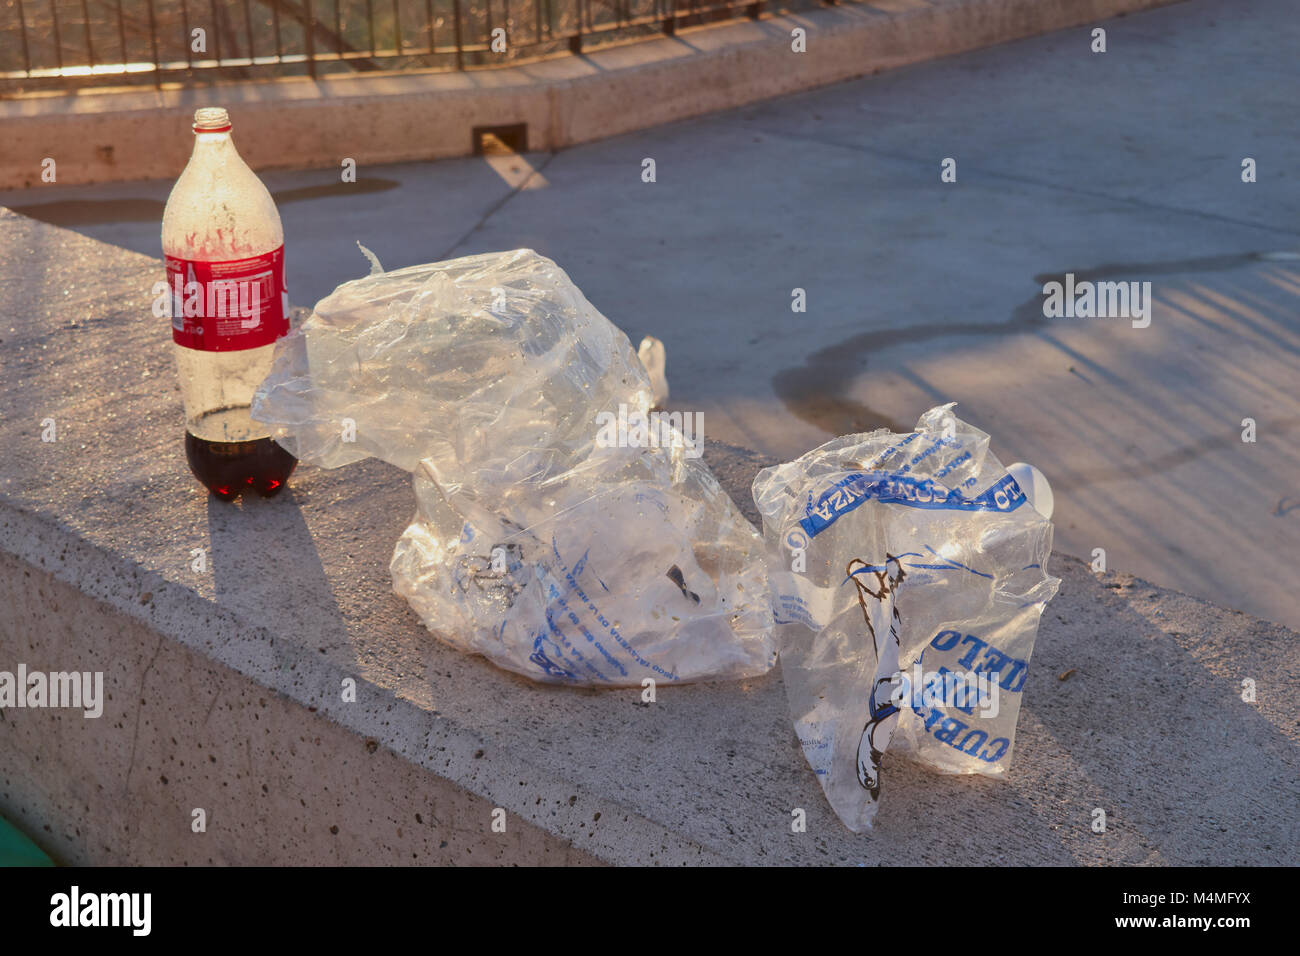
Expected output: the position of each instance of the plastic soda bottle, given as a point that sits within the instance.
(224, 250)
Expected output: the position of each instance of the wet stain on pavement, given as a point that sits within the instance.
(93, 212)
(816, 390)
(98, 212)
(375, 184)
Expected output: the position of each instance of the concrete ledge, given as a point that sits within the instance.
(223, 686)
(99, 136)
(277, 782)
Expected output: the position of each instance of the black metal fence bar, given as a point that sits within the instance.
(248, 23)
(460, 45)
(310, 30)
(216, 30)
(32, 50)
(121, 28)
(85, 23)
(22, 26)
(58, 40)
(153, 41)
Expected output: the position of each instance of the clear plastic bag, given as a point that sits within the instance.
(908, 574)
(535, 543)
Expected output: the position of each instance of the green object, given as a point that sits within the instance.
(17, 850)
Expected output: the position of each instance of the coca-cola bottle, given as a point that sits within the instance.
(224, 249)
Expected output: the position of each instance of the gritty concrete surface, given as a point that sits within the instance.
(107, 136)
(1120, 166)
(274, 782)
(1132, 705)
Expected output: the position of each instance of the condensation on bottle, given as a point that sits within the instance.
(224, 251)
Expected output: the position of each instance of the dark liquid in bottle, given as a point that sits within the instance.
(230, 468)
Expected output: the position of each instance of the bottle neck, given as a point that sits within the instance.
(214, 149)
(203, 138)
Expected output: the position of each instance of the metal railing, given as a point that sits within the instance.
(62, 44)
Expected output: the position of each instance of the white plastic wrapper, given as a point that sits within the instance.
(559, 530)
(908, 574)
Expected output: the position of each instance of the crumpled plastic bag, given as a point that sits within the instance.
(908, 574)
(540, 540)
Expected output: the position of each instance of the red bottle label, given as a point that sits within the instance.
(228, 306)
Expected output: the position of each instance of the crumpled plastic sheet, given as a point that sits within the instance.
(908, 573)
(533, 543)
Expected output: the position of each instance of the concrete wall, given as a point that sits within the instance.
(277, 782)
(97, 136)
